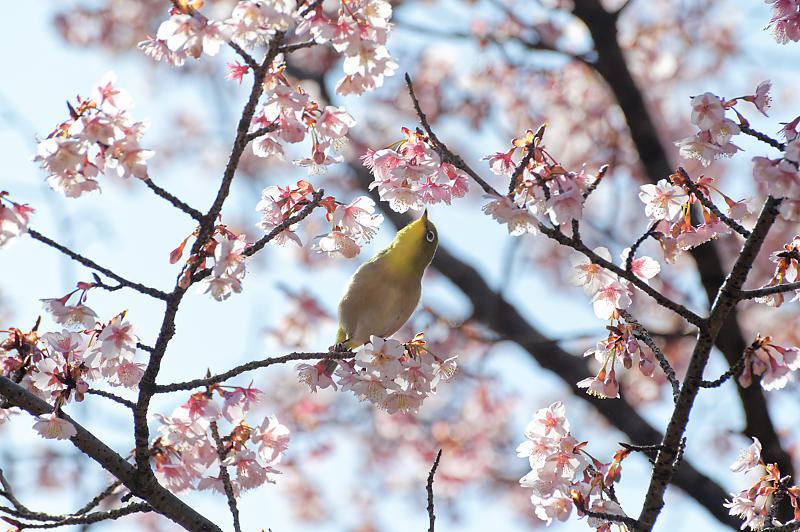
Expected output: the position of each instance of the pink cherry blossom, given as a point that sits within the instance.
(337, 242)
(707, 110)
(591, 276)
(644, 267)
(70, 315)
(519, 220)
(663, 201)
(610, 297)
(51, 426)
(117, 339)
(272, 439)
(749, 458)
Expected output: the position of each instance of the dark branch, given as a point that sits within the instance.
(177, 203)
(446, 155)
(197, 383)
(225, 477)
(429, 489)
(762, 137)
(761, 292)
(708, 204)
(113, 397)
(158, 294)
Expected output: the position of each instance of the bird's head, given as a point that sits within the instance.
(417, 242)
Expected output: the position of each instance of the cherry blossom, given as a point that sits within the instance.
(51, 426)
(272, 439)
(13, 220)
(411, 174)
(748, 459)
(591, 276)
(785, 22)
(519, 220)
(99, 137)
(70, 315)
(645, 268)
(663, 201)
(773, 363)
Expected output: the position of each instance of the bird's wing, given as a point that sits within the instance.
(376, 302)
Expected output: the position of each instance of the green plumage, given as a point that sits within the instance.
(385, 290)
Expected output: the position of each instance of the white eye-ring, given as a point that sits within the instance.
(429, 236)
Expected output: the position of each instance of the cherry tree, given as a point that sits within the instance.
(518, 126)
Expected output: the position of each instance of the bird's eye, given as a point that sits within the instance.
(429, 236)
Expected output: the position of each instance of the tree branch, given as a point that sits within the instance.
(158, 294)
(255, 364)
(429, 489)
(159, 498)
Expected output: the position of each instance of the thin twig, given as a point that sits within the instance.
(429, 489)
(316, 198)
(289, 48)
(177, 203)
(225, 476)
(662, 360)
(446, 155)
(244, 55)
(761, 292)
(708, 204)
(521, 168)
(147, 384)
(87, 519)
(261, 131)
(635, 246)
(598, 178)
(661, 299)
(114, 397)
(733, 371)
(99, 498)
(196, 383)
(762, 137)
(153, 292)
(613, 518)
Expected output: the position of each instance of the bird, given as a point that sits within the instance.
(385, 290)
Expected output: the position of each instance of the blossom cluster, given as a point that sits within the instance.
(543, 188)
(780, 178)
(393, 376)
(667, 205)
(622, 344)
(713, 140)
(99, 137)
(358, 33)
(13, 219)
(353, 225)
(563, 474)
(410, 174)
(787, 270)
(187, 456)
(777, 177)
(289, 114)
(609, 292)
(773, 363)
(753, 504)
(227, 250)
(58, 366)
(785, 22)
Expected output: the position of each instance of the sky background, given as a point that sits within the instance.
(131, 231)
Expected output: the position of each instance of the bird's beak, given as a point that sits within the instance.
(424, 216)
